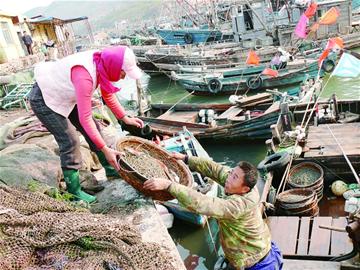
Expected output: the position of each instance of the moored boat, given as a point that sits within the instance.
(241, 80)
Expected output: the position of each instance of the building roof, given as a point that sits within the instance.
(6, 14)
(46, 20)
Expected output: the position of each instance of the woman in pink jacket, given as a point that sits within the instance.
(61, 99)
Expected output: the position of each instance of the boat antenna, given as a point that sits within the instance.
(187, 12)
(197, 12)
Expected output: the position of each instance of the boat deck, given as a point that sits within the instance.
(324, 149)
(310, 265)
(301, 237)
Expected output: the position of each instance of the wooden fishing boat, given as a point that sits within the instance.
(168, 61)
(317, 234)
(250, 118)
(241, 80)
(186, 143)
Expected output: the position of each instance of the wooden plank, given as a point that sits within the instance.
(303, 240)
(330, 141)
(254, 98)
(320, 238)
(284, 233)
(273, 108)
(332, 148)
(334, 129)
(335, 126)
(229, 113)
(340, 242)
(310, 265)
(180, 116)
(329, 153)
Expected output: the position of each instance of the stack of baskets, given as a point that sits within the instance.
(305, 189)
(297, 202)
(307, 175)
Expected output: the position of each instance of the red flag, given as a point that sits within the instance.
(330, 17)
(270, 72)
(323, 56)
(335, 43)
(311, 10)
(252, 58)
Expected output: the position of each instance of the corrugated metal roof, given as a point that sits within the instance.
(54, 20)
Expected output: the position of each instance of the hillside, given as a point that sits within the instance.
(102, 14)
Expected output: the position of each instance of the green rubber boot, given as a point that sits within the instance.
(72, 180)
(110, 172)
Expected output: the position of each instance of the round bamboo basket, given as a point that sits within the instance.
(309, 181)
(136, 179)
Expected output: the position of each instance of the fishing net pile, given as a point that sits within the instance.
(39, 232)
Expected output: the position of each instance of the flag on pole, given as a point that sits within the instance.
(300, 29)
(348, 66)
(270, 72)
(252, 58)
(335, 43)
(311, 10)
(330, 17)
(323, 56)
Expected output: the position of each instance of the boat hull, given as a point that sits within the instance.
(188, 36)
(237, 84)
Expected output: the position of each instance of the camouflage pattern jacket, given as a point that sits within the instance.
(244, 235)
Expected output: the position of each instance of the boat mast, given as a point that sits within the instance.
(140, 92)
(194, 9)
(187, 12)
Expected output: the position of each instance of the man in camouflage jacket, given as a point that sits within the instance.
(244, 235)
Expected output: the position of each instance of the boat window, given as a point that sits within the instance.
(248, 18)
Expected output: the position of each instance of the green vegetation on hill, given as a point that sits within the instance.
(102, 14)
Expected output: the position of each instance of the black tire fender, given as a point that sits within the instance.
(214, 86)
(188, 38)
(328, 65)
(254, 82)
(274, 161)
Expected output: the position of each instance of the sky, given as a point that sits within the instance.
(21, 6)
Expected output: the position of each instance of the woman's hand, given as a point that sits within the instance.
(111, 156)
(157, 184)
(133, 121)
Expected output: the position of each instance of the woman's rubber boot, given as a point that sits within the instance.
(110, 172)
(72, 180)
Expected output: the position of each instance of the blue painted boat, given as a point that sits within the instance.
(188, 36)
(185, 142)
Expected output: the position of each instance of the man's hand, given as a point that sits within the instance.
(157, 184)
(178, 156)
(111, 156)
(133, 121)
